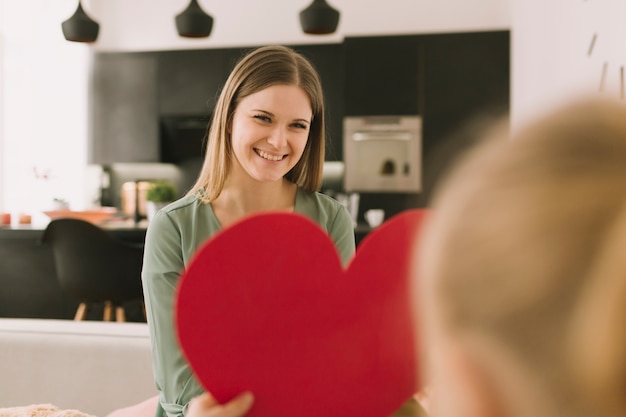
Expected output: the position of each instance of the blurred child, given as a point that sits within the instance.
(522, 272)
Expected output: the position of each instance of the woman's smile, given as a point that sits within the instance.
(269, 156)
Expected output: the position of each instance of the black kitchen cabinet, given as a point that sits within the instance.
(329, 62)
(382, 75)
(124, 108)
(466, 87)
(189, 81)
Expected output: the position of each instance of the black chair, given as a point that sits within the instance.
(94, 267)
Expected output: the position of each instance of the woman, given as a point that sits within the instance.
(521, 272)
(265, 153)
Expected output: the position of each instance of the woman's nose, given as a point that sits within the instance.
(278, 138)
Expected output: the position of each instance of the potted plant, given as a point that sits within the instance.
(158, 195)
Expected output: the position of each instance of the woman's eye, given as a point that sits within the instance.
(263, 118)
(300, 126)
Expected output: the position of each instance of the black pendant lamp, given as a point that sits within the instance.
(319, 18)
(80, 27)
(193, 22)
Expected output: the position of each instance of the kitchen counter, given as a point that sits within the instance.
(126, 230)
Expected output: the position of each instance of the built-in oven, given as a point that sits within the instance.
(383, 154)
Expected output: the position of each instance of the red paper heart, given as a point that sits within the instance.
(265, 306)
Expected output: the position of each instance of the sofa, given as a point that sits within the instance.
(91, 366)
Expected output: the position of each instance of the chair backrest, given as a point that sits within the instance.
(91, 265)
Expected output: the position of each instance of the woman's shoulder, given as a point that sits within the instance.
(332, 216)
(178, 212)
(316, 200)
(185, 203)
(323, 209)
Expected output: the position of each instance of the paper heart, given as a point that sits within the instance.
(266, 306)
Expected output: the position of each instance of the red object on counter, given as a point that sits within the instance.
(25, 218)
(6, 219)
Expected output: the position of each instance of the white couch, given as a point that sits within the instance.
(90, 366)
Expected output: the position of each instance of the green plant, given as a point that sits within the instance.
(161, 191)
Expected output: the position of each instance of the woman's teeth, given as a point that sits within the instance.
(268, 156)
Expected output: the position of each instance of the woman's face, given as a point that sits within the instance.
(269, 131)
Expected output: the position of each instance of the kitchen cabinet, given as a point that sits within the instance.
(328, 59)
(382, 75)
(189, 81)
(124, 108)
(466, 82)
(465, 76)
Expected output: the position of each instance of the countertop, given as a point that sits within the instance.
(126, 230)
(119, 228)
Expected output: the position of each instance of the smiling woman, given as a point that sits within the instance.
(265, 153)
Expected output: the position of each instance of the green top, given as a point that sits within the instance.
(173, 236)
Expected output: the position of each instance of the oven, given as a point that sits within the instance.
(383, 154)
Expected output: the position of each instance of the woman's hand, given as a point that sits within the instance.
(206, 406)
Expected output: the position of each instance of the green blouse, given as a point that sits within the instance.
(173, 235)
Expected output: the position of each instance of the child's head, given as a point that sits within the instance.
(522, 271)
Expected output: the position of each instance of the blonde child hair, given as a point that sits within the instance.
(521, 271)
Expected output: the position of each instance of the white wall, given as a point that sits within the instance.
(149, 24)
(43, 82)
(550, 41)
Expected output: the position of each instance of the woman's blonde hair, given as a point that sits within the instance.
(527, 246)
(259, 69)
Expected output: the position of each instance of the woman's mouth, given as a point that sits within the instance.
(269, 156)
